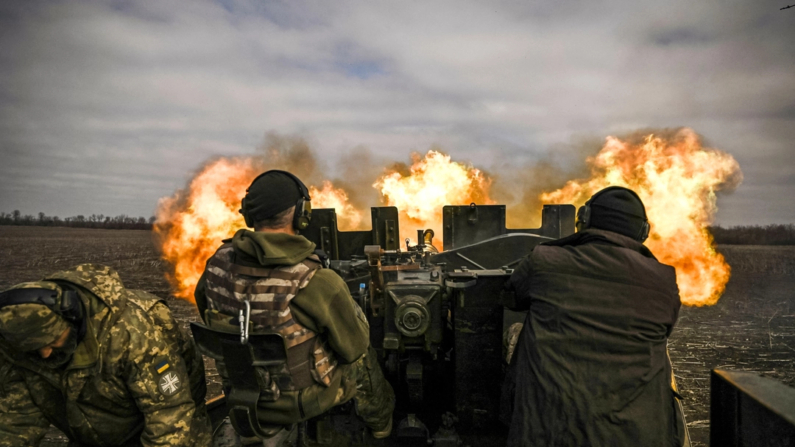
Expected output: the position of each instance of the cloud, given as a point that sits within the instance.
(104, 107)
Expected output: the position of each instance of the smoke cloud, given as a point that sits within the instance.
(358, 170)
(290, 153)
(520, 187)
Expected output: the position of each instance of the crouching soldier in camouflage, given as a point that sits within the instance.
(106, 365)
(277, 274)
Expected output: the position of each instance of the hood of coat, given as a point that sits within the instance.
(596, 236)
(100, 280)
(104, 298)
(84, 355)
(272, 248)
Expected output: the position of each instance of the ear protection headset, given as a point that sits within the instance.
(584, 213)
(303, 207)
(70, 308)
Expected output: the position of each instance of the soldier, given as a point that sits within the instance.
(330, 360)
(104, 364)
(590, 366)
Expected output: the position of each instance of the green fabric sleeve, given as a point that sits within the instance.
(21, 422)
(326, 307)
(176, 337)
(167, 409)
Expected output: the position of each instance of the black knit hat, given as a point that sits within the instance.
(619, 210)
(270, 194)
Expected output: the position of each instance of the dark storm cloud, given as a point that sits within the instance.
(107, 106)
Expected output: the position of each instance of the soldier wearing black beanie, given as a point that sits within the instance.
(270, 194)
(615, 209)
(275, 277)
(590, 365)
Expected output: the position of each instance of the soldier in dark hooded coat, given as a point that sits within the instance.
(590, 367)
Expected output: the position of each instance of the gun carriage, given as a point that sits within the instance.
(435, 317)
(436, 321)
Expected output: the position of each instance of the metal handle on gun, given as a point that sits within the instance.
(243, 319)
(460, 284)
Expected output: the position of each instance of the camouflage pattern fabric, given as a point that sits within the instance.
(175, 336)
(509, 339)
(364, 382)
(29, 327)
(269, 292)
(129, 382)
(324, 307)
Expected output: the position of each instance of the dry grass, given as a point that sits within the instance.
(763, 259)
(752, 328)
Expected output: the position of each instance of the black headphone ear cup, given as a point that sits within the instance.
(70, 307)
(303, 223)
(584, 216)
(243, 211)
(65, 304)
(307, 214)
(644, 232)
(302, 215)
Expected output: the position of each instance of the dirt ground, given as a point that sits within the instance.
(752, 328)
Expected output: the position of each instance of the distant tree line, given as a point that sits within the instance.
(739, 235)
(755, 235)
(120, 222)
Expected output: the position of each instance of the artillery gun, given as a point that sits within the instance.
(435, 317)
(436, 322)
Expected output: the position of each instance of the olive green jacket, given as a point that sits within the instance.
(325, 306)
(131, 381)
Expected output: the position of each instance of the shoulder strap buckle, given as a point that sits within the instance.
(322, 257)
(243, 318)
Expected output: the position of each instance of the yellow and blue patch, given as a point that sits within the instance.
(161, 367)
(167, 376)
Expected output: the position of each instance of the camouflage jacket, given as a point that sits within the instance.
(132, 381)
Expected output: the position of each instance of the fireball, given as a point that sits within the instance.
(432, 182)
(677, 179)
(674, 175)
(348, 217)
(191, 224)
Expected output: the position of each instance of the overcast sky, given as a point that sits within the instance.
(107, 106)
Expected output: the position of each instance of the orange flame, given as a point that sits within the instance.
(191, 224)
(431, 183)
(676, 178)
(348, 217)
